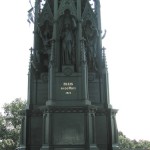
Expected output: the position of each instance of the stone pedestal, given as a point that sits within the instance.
(69, 128)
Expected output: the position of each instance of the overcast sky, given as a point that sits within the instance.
(128, 55)
(127, 45)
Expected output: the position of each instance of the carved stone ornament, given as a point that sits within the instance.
(68, 70)
(90, 34)
(88, 14)
(67, 28)
(44, 77)
(67, 4)
(46, 15)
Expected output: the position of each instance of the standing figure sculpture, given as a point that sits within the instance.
(46, 34)
(68, 38)
(91, 35)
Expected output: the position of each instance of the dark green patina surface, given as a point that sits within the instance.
(68, 94)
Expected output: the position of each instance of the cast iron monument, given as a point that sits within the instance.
(68, 104)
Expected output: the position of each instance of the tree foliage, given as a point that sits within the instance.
(10, 122)
(127, 144)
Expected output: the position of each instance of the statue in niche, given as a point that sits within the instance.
(67, 38)
(46, 34)
(91, 36)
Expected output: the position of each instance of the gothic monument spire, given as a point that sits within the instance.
(68, 106)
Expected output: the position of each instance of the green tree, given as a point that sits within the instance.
(10, 123)
(143, 144)
(124, 142)
(127, 144)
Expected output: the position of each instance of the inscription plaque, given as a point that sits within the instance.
(67, 88)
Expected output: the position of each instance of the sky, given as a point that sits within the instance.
(127, 44)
